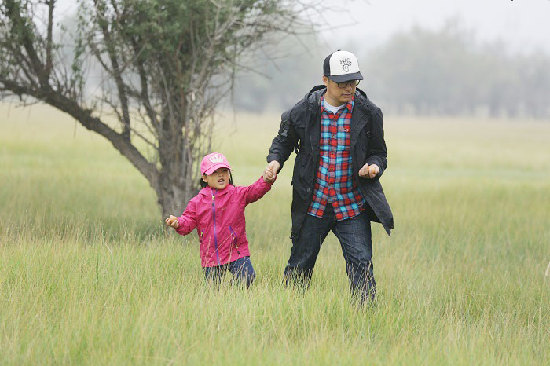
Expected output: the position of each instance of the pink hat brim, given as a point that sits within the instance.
(215, 167)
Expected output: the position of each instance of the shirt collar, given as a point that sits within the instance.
(348, 106)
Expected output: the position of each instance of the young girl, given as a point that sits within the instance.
(217, 212)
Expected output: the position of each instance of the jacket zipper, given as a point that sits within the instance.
(214, 222)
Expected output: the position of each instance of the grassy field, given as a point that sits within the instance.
(88, 276)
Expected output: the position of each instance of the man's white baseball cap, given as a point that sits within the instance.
(341, 66)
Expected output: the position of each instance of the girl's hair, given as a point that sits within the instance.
(203, 184)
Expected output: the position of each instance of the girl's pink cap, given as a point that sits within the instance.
(211, 162)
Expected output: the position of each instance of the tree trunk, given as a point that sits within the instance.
(175, 184)
(172, 195)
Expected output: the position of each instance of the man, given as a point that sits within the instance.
(337, 134)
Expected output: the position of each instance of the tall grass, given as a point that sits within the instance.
(89, 276)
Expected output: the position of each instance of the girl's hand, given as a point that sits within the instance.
(270, 172)
(268, 176)
(173, 222)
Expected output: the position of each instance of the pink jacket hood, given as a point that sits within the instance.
(218, 216)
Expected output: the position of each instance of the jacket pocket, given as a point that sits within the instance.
(361, 148)
(303, 175)
(234, 238)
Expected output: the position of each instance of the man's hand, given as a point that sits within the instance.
(273, 168)
(369, 171)
(172, 221)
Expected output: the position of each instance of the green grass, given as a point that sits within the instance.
(88, 275)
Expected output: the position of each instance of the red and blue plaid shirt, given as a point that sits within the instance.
(334, 182)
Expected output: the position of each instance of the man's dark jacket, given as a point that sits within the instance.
(300, 131)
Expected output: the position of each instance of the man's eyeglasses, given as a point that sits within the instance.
(346, 84)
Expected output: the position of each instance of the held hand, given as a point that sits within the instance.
(172, 221)
(369, 171)
(271, 170)
(268, 176)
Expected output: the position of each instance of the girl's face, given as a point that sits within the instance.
(219, 179)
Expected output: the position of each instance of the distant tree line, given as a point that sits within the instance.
(448, 72)
(276, 80)
(420, 71)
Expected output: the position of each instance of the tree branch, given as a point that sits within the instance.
(49, 39)
(24, 32)
(116, 70)
(87, 120)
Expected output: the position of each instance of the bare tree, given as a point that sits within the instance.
(166, 64)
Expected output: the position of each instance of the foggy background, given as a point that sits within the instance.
(424, 57)
(428, 57)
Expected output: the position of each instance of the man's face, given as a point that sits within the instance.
(219, 179)
(339, 93)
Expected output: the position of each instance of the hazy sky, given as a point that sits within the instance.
(524, 24)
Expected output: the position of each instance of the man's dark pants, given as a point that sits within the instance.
(356, 240)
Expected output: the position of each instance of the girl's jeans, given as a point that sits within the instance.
(241, 269)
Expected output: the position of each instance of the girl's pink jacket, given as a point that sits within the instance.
(218, 216)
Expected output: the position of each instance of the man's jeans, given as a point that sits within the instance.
(356, 240)
(241, 269)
